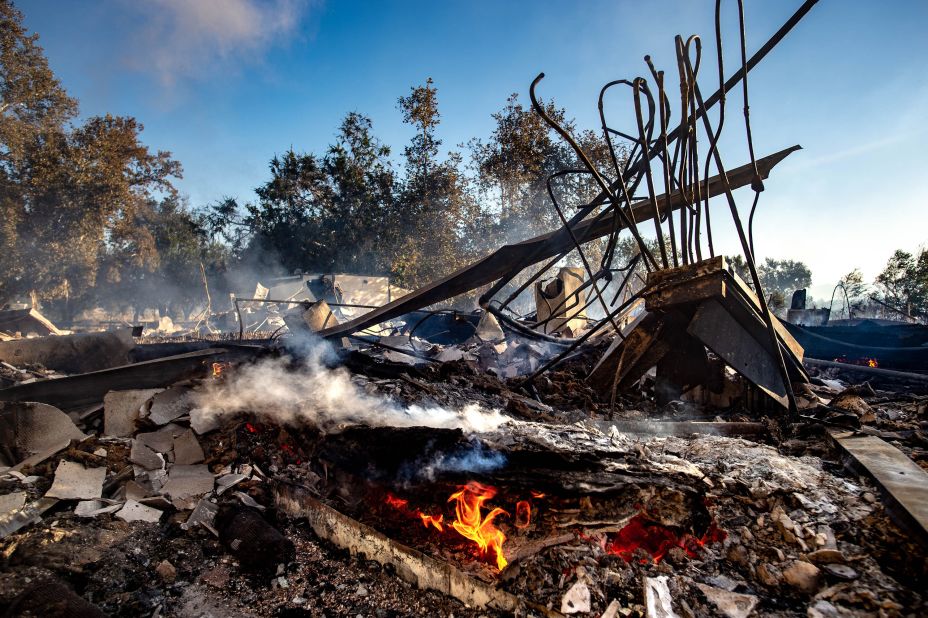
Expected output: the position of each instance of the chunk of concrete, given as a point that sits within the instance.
(170, 404)
(75, 482)
(133, 511)
(731, 604)
(11, 502)
(30, 428)
(203, 515)
(121, 410)
(161, 441)
(188, 481)
(92, 508)
(143, 456)
(187, 449)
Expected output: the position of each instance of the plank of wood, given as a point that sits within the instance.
(905, 483)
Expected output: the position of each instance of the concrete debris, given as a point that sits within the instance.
(186, 481)
(134, 511)
(73, 481)
(169, 405)
(11, 503)
(166, 572)
(203, 515)
(187, 449)
(122, 409)
(30, 429)
(731, 604)
(145, 457)
(804, 576)
(93, 508)
(227, 481)
(488, 329)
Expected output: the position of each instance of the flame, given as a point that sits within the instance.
(251, 428)
(871, 362)
(397, 503)
(430, 520)
(657, 540)
(537, 494)
(523, 514)
(471, 525)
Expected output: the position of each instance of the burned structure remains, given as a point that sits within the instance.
(651, 440)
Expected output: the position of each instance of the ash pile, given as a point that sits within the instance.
(595, 439)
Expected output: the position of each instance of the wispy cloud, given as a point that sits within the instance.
(191, 39)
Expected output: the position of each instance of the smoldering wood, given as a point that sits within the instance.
(564, 461)
(411, 565)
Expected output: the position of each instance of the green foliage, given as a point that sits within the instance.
(779, 278)
(328, 213)
(903, 284)
(72, 198)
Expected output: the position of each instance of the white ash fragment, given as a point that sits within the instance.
(577, 599)
(134, 511)
(657, 600)
(92, 508)
(731, 604)
(75, 482)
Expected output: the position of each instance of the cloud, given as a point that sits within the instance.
(190, 39)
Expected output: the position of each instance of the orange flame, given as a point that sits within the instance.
(871, 362)
(395, 502)
(537, 494)
(430, 520)
(471, 525)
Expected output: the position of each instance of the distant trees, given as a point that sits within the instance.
(903, 284)
(69, 195)
(779, 278)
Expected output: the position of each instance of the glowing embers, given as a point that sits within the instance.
(863, 361)
(642, 533)
(472, 525)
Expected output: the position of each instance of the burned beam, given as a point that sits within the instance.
(901, 479)
(413, 566)
(85, 389)
(517, 256)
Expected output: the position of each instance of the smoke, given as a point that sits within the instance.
(474, 457)
(310, 390)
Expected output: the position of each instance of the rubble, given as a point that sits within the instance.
(75, 482)
(376, 454)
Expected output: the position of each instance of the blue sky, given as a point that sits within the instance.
(226, 84)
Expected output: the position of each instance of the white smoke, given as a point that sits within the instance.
(308, 391)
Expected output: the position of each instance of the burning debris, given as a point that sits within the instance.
(650, 440)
